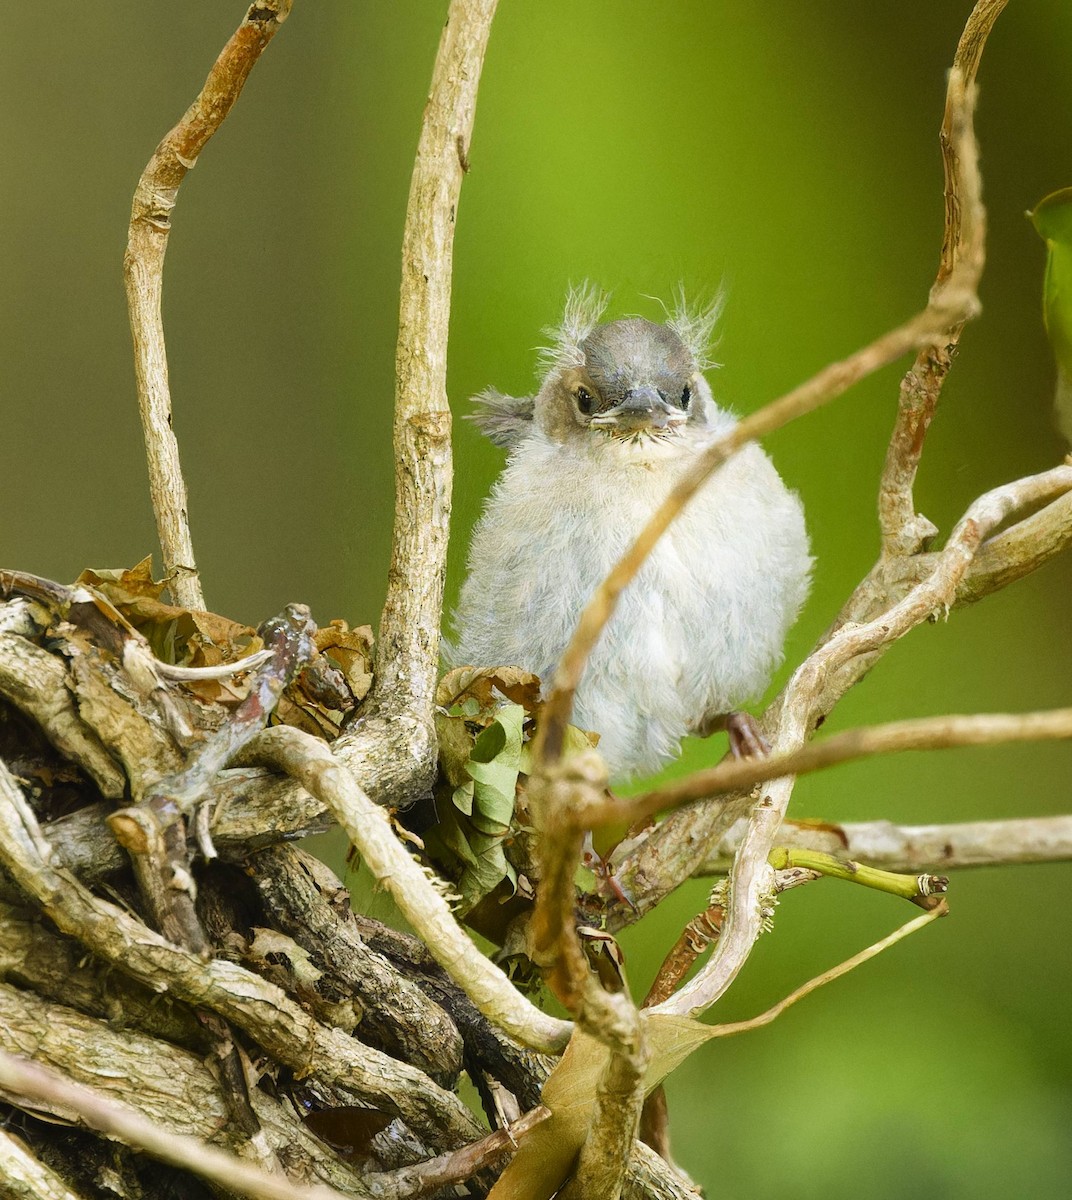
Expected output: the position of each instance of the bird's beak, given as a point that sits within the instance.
(641, 409)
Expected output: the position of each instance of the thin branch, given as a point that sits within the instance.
(615, 1119)
(919, 847)
(311, 761)
(143, 266)
(290, 646)
(1013, 553)
(850, 964)
(699, 933)
(554, 944)
(458, 1165)
(813, 864)
(924, 733)
(903, 531)
(33, 1085)
(954, 301)
(407, 655)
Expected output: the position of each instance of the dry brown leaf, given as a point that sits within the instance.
(481, 684)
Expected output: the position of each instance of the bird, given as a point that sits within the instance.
(622, 410)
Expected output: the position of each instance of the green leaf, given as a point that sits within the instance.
(493, 767)
(463, 797)
(1052, 217)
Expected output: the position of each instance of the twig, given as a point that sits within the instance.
(289, 641)
(458, 1165)
(310, 761)
(919, 847)
(615, 1119)
(1011, 554)
(35, 1085)
(407, 654)
(924, 733)
(154, 830)
(920, 889)
(903, 531)
(850, 964)
(954, 301)
(697, 935)
(143, 266)
(555, 947)
(554, 944)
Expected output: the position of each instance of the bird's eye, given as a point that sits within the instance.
(686, 396)
(584, 400)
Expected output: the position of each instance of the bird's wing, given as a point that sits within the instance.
(504, 419)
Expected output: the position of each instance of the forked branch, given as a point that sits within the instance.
(143, 268)
(407, 656)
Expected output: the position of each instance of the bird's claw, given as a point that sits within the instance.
(746, 738)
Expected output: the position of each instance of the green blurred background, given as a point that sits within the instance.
(786, 151)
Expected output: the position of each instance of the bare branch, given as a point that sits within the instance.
(554, 944)
(407, 656)
(813, 690)
(919, 847)
(850, 964)
(143, 267)
(676, 847)
(457, 1166)
(903, 532)
(924, 733)
(367, 826)
(1014, 553)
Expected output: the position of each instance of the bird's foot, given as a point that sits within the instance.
(746, 739)
(607, 884)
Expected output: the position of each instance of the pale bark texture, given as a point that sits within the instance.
(189, 1004)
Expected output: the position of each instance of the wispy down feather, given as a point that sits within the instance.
(502, 418)
(695, 325)
(585, 304)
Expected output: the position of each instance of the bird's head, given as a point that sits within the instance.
(630, 385)
(633, 383)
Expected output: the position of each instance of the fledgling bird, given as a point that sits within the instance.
(622, 410)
